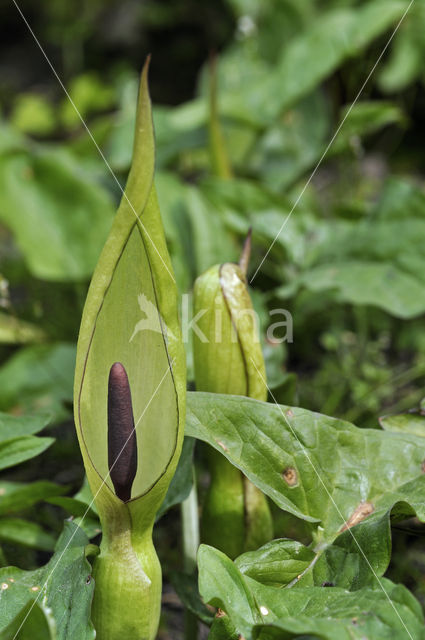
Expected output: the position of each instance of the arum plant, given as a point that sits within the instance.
(228, 359)
(130, 397)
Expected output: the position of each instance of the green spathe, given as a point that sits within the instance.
(130, 316)
(228, 359)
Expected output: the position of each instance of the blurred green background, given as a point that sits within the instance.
(247, 95)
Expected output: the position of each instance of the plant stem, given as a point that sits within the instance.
(190, 528)
(190, 525)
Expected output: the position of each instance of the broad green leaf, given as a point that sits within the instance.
(373, 261)
(14, 426)
(318, 468)
(62, 589)
(288, 563)
(130, 316)
(401, 199)
(15, 331)
(364, 118)
(28, 534)
(293, 143)
(369, 283)
(260, 611)
(17, 450)
(17, 496)
(404, 63)
(39, 378)
(291, 146)
(335, 36)
(276, 563)
(59, 218)
(31, 623)
(405, 423)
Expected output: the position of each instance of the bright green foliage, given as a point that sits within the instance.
(38, 378)
(348, 265)
(28, 534)
(59, 217)
(51, 603)
(325, 471)
(276, 563)
(267, 612)
(405, 423)
(133, 278)
(17, 442)
(16, 496)
(303, 62)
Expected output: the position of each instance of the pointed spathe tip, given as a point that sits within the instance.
(246, 253)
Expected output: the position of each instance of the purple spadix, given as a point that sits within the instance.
(122, 442)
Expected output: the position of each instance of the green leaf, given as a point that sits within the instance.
(293, 143)
(286, 563)
(14, 426)
(276, 563)
(17, 450)
(373, 261)
(318, 468)
(404, 63)
(405, 423)
(260, 611)
(333, 37)
(28, 534)
(62, 589)
(364, 118)
(17, 496)
(39, 378)
(369, 283)
(15, 331)
(223, 629)
(58, 216)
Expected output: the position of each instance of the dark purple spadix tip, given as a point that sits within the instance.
(122, 443)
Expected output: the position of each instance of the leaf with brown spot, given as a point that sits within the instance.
(363, 511)
(333, 462)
